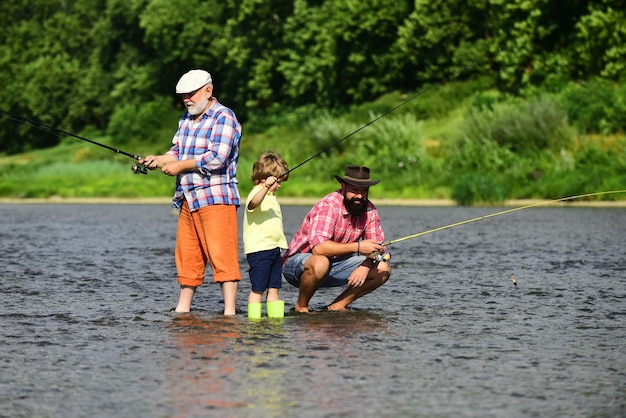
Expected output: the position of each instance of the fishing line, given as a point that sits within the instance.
(393, 109)
(137, 168)
(504, 212)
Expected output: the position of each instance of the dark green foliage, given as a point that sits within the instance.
(134, 122)
(597, 106)
(536, 75)
(478, 188)
(74, 64)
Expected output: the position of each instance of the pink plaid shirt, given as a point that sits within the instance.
(329, 220)
(214, 143)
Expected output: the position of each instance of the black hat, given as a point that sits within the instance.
(357, 175)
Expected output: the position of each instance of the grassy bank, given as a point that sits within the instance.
(457, 142)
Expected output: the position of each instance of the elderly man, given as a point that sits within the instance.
(203, 158)
(337, 244)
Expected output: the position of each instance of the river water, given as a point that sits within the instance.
(86, 329)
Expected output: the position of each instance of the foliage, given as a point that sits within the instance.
(449, 156)
(80, 63)
(596, 106)
(507, 93)
(478, 188)
(146, 121)
(521, 126)
(601, 40)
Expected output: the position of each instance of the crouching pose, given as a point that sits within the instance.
(337, 244)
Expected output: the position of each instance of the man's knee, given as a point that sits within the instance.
(383, 271)
(317, 266)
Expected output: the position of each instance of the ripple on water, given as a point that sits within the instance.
(86, 328)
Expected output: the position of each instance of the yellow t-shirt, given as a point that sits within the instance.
(263, 226)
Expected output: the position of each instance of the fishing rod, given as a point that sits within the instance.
(504, 212)
(137, 168)
(393, 109)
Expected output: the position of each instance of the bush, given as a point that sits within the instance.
(598, 106)
(478, 188)
(521, 126)
(481, 154)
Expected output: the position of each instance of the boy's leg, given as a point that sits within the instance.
(255, 297)
(258, 271)
(272, 294)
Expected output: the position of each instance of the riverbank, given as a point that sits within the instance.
(306, 201)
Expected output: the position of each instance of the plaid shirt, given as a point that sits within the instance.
(330, 220)
(214, 143)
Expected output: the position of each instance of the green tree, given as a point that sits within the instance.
(44, 48)
(601, 41)
(251, 47)
(444, 40)
(179, 40)
(339, 52)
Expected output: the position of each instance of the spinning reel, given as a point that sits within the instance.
(139, 169)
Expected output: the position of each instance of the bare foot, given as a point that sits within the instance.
(342, 309)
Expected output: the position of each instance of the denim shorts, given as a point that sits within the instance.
(340, 269)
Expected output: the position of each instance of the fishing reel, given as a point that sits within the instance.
(383, 257)
(139, 169)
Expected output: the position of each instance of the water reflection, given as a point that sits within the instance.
(86, 329)
(240, 366)
(199, 371)
(228, 364)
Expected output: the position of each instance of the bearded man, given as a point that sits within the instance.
(338, 243)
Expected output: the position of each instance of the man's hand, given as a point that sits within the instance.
(172, 168)
(358, 276)
(149, 161)
(370, 248)
(175, 167)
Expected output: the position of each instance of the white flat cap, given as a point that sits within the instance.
(192, 81)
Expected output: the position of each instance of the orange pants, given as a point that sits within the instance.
(208, 234)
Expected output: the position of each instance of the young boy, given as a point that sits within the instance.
(263, 236)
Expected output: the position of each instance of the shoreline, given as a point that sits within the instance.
(307, 201)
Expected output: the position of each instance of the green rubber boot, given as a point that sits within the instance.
(254, 310)
(276, 309)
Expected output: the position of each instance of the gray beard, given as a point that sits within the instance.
(198, 108)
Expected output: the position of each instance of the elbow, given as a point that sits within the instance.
(202, 169)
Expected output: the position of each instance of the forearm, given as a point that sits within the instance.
(156, 161)
(187, 165)
(368, 248)
(258, 198)
(330, 248)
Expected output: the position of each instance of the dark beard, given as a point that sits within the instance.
(356, 207)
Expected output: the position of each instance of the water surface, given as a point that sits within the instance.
(86, 328)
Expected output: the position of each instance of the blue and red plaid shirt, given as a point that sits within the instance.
(214, 143)
(329, 220)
